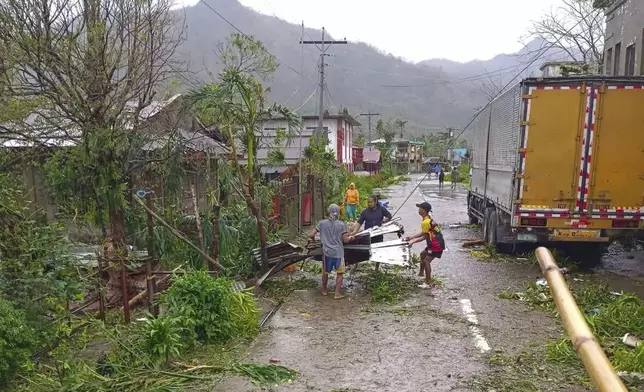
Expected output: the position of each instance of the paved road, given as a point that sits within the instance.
(438, 340)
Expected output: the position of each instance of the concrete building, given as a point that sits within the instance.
(339, 128)
(624, 42)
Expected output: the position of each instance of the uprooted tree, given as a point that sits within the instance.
(236, 102)
(93, 65)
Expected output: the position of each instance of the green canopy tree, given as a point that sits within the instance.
(236, 102)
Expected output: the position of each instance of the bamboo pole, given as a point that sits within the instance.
(150, 280)
(591, 353)
(195, 205)
(179, 235)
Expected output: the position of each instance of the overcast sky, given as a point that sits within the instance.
(416, 29)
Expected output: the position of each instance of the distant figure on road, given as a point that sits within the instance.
(333, 233)
(430, 232)
(454, 178)
(441, 179)
(436, 170)
(352, 199)
(374, 215)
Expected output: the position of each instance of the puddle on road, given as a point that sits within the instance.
(336, 345)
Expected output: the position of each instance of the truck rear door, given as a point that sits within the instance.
(616, 155)
(551, 155)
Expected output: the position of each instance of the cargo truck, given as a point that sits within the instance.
(560, 162)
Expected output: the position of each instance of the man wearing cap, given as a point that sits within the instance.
(435, 244)
(333, 233)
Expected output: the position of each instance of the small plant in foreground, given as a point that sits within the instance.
(282, 288)
(609, 315)
(162, 339)
(209, 310)
(17, 340)
(265, 375)
(388, 288)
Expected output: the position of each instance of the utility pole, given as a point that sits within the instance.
(323, 49)
(450, 135)
(369, 121)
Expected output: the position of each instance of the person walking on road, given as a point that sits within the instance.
(374, 215)
(441, 179)
(351, 200)
(454, 178)
(431, 233)
(333, 234)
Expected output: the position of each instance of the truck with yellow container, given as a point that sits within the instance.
(560, 162)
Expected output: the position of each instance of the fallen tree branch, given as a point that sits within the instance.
(144, 293)
(471, 243)
(179, 235)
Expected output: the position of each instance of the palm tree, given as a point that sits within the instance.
(237, 103)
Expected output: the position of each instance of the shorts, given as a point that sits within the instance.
(352, 210)
(428, 252)
(333, 263)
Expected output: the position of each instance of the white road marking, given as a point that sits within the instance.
(470, 315)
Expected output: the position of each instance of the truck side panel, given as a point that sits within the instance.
(479, 152)
(617, 154)
(504, 141)
(552, 149)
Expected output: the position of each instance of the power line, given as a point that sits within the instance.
(308, 99)
(275, 15)
(456, 81)
(247, 37)
(328, 93)
(451, 142)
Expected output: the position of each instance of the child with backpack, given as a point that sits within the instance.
(435, 243)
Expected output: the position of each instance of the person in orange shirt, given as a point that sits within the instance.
(351, 200)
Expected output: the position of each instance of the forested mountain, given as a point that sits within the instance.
(429, 95)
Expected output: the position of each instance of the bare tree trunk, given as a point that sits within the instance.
(117, 227)
(250, 202)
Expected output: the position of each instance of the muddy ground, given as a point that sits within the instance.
(438, 340)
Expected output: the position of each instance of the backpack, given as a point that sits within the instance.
(438, 235)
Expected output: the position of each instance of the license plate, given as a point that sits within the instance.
(577, 233)
(527, 237)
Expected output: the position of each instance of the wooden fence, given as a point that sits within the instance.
(286, 205)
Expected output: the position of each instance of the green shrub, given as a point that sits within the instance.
(162, 339)
(17, 341)
(208, 310)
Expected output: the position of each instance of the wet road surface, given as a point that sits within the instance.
(438, 340)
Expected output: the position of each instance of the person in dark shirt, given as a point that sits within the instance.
(441, 179)
(374, 215)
